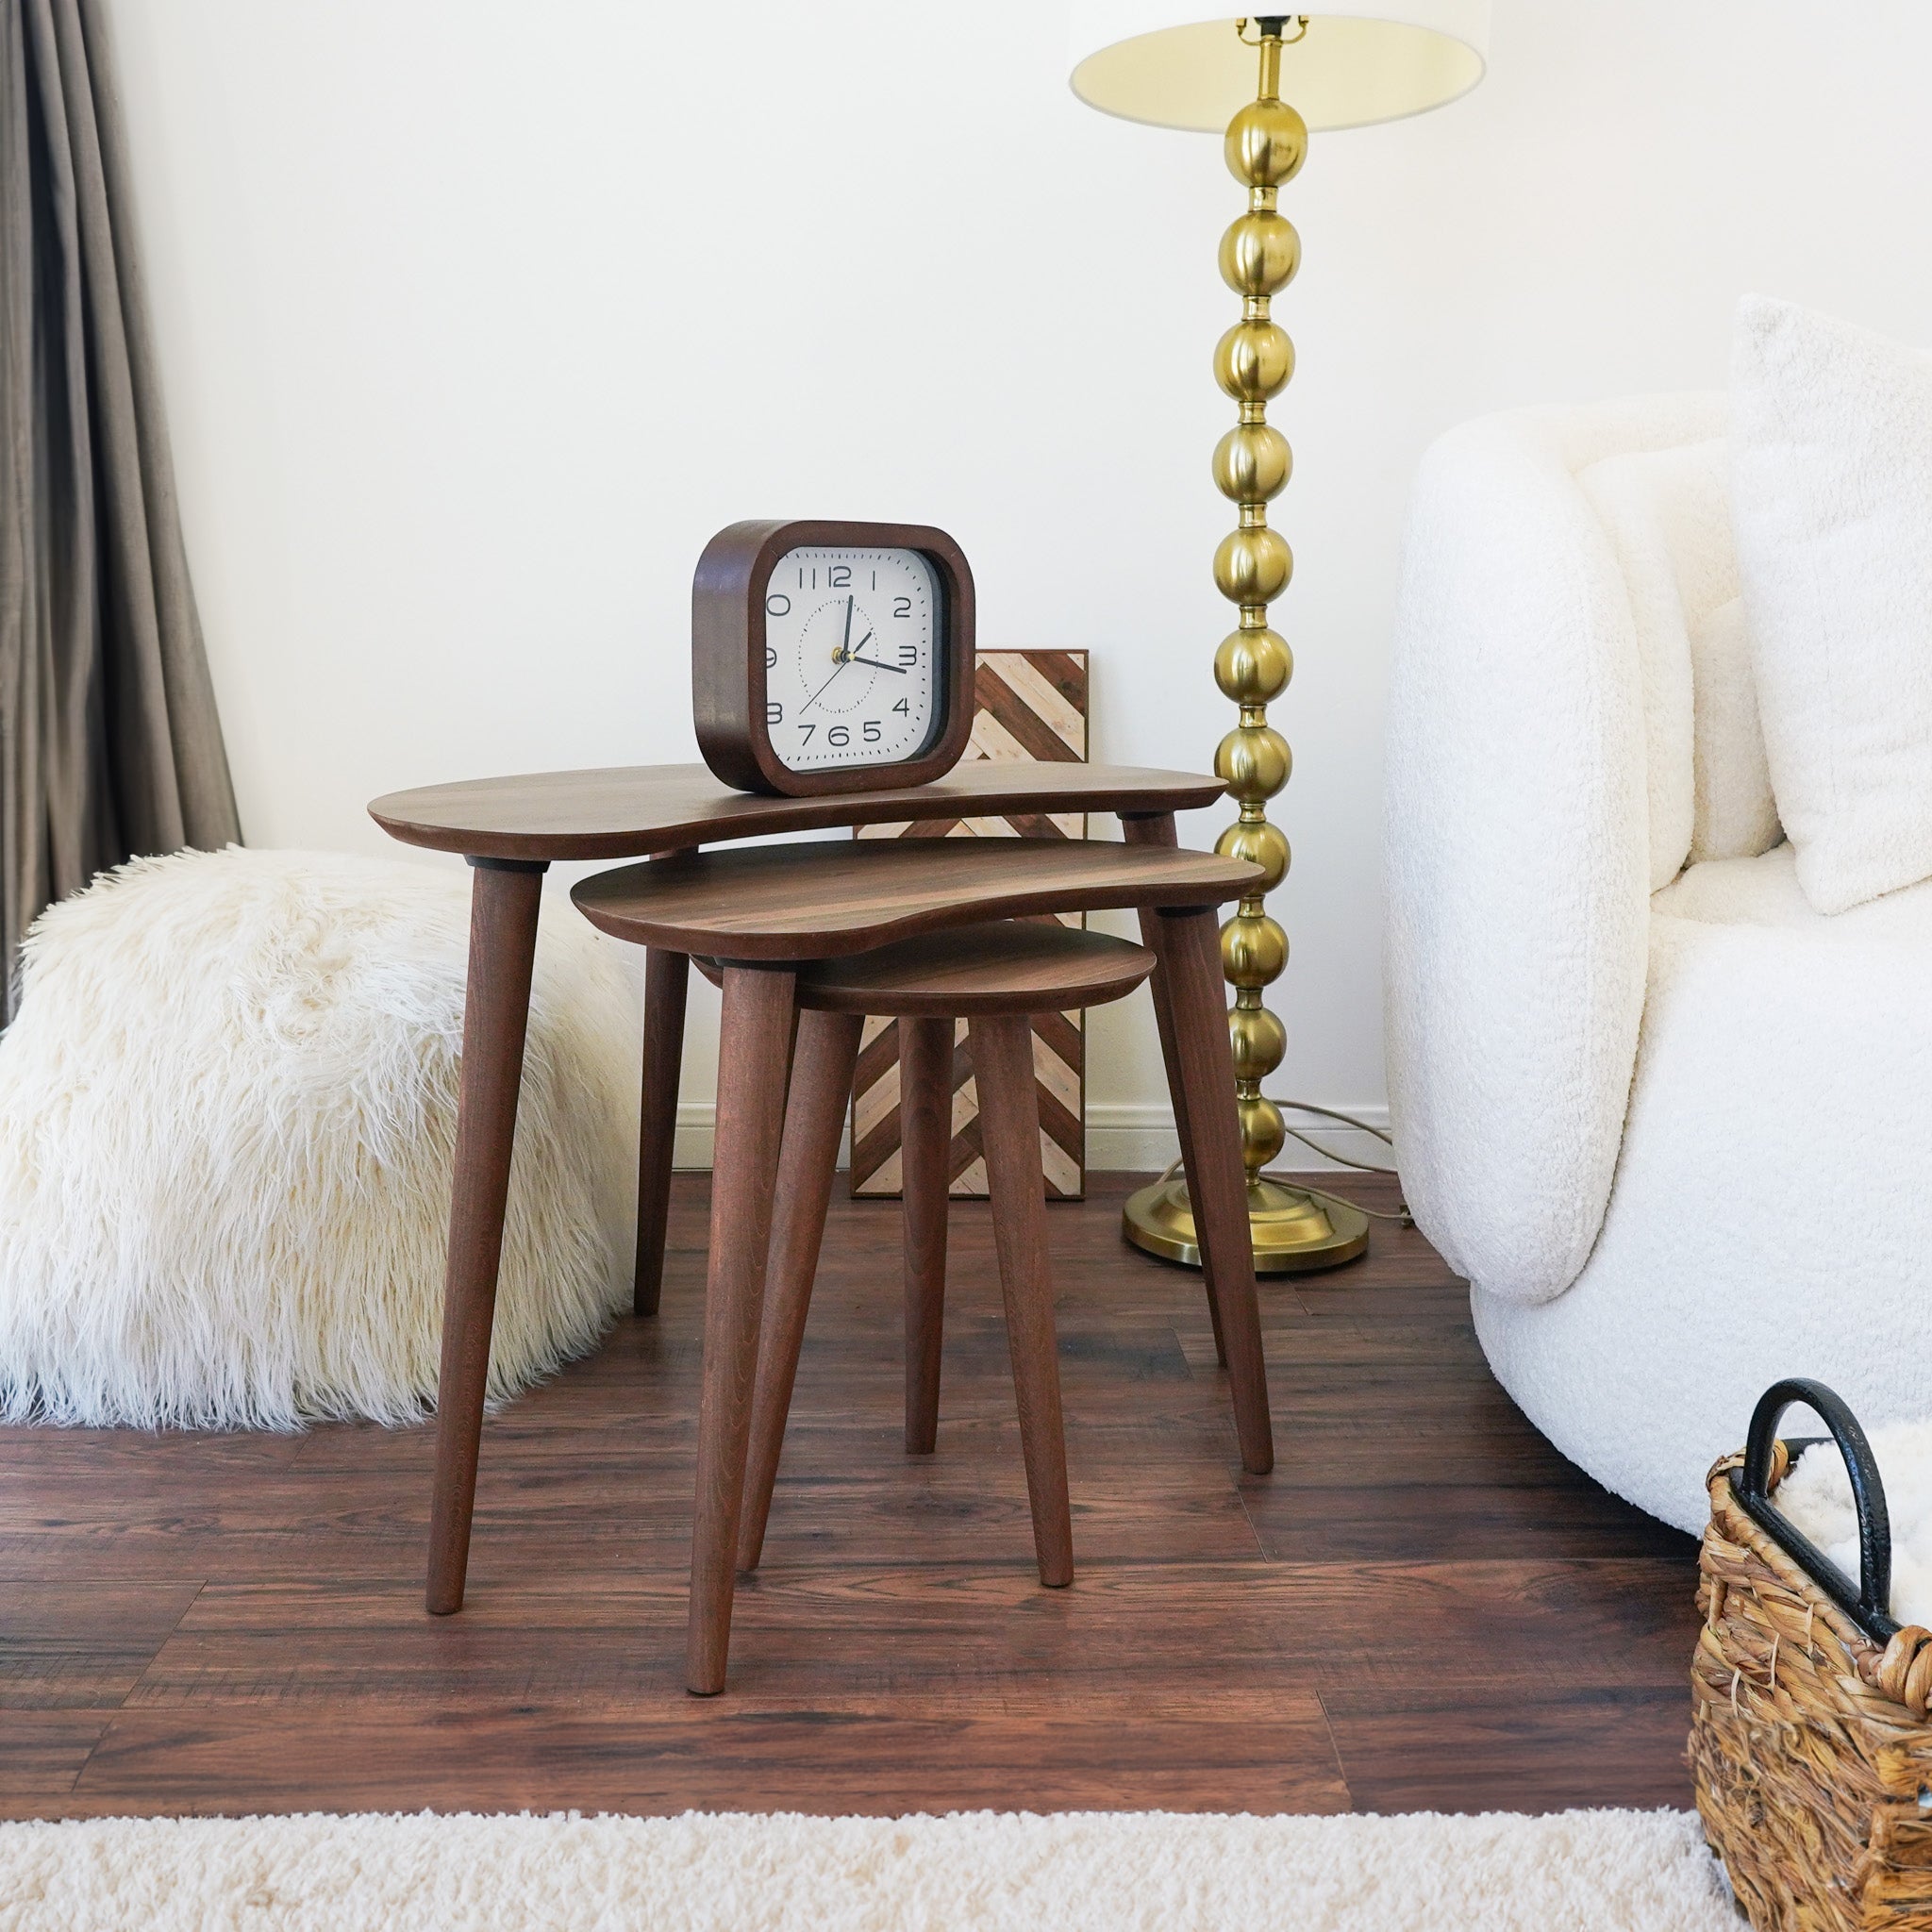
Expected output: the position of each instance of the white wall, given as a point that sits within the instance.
(479, 317)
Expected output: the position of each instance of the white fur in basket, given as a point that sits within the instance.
(227, 1123)
(1817, 1496)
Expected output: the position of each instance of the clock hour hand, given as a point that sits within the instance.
(877, 663)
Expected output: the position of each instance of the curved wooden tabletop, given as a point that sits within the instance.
(628, 811)
(1000, 966)
(825, 900)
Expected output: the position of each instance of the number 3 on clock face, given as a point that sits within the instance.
(852, 640)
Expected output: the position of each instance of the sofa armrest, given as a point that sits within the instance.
(1517, 848)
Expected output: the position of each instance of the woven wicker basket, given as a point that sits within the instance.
(1810, 1743)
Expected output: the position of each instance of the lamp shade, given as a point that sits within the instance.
(1360, 61)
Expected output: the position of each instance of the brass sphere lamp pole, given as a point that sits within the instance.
(1266, 81)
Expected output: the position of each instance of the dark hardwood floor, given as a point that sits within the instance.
(1424, 1606)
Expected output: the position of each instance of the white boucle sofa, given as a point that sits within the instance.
(1675, 1126)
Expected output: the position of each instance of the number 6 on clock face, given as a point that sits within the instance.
(831, 656)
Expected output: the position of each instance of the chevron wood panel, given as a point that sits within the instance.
(1026, 705)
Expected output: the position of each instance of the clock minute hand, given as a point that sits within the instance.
(842, 658)
(877, 663)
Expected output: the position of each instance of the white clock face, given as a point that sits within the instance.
(852, 651)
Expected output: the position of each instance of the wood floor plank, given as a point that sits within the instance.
(78, 1645)
(844, 1630)
(858, 1630)
(1419, 1747)
(41, 1752)
(1423, 1605)
(1120, 1514)
(1303, 1518)
(908, 1751)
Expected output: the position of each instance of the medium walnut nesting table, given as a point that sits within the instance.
(761, 911)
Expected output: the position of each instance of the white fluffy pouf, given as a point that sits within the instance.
(228, 1127)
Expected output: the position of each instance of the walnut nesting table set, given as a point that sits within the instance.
(789, 927)
(833, 685)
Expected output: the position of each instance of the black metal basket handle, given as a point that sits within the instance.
(1867, 1602)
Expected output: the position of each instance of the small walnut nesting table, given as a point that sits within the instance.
(997, 978)
(762, 911)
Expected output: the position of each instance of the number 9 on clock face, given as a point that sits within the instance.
(853, 642)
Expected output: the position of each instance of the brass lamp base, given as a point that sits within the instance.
(1295, 1232)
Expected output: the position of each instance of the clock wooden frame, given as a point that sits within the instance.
(727, 656)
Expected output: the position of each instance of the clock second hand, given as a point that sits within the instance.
(841, 657)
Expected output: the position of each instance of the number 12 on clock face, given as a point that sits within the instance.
(853, 641)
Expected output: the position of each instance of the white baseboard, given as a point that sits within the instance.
(1134, 1136)
(1139, 1135)
(696, 1131)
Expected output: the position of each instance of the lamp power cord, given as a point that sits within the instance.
(1401, 1218)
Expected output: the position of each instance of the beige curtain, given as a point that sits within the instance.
(109, 745)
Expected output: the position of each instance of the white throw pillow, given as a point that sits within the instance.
(1831, 500)
(1736, 809)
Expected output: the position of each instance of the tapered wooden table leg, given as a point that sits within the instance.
(1185, 945)
(1010, 1127)
(755, 1039)
(925, 1145)
(503, 898)
(823, 1060)
(666, 977)
(1157, 829)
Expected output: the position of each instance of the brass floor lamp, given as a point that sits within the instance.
(1267, 80)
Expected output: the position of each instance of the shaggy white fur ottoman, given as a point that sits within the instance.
(227, 1120)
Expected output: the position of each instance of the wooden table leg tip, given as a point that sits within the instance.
(703, 1677)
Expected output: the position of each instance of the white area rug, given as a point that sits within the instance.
(1578, 1872)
